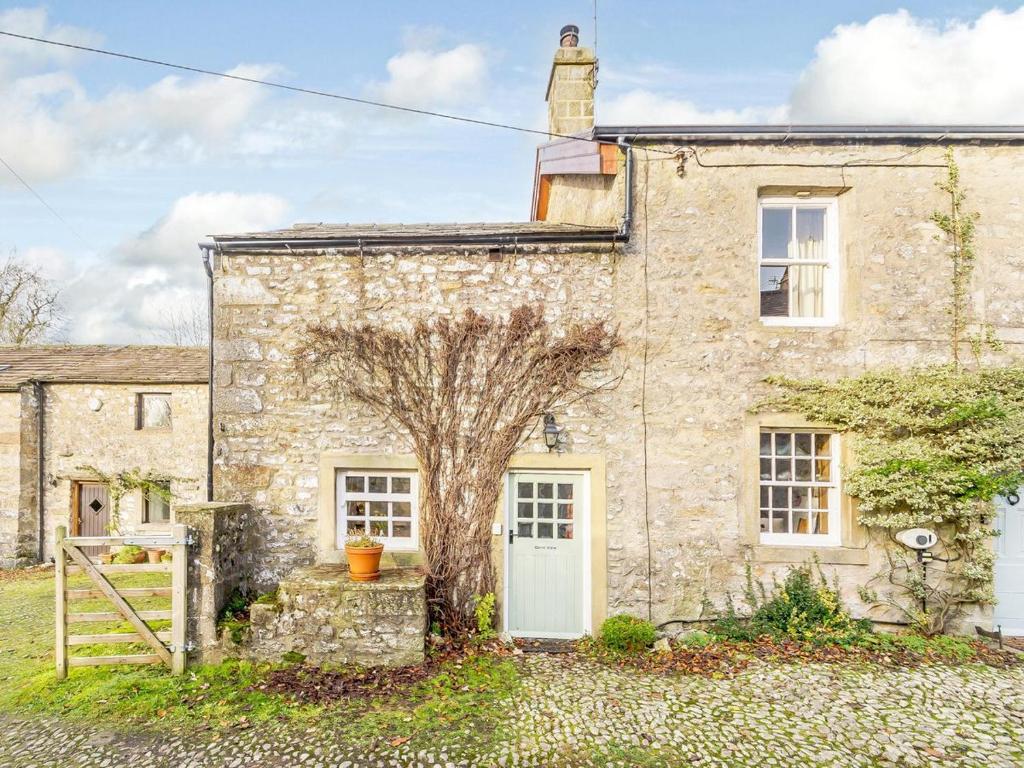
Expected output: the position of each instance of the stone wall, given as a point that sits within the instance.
(328, 618)
(219, 562)
(93, 425)
(684, 293)
(10, 476)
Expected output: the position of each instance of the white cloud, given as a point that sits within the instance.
(643, 107)
(127, 294)
(896, 68)
(421, 78)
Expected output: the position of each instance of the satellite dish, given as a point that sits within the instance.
(917, 538)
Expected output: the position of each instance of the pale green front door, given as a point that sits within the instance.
(546, 580)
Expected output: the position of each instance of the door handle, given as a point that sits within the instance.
(511, 534)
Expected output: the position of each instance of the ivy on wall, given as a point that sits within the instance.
(932, 447)
(121, 483)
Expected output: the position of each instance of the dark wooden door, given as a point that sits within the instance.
(93, 514)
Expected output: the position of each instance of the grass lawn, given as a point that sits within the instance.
(464, 695)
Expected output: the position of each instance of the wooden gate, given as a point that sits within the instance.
(167, 647)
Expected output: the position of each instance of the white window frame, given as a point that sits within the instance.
(834, 536)
(342, 496)
(831, 262)
(146, 501)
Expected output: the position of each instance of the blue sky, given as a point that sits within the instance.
(142, 162)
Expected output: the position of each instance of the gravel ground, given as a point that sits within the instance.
(571, 712)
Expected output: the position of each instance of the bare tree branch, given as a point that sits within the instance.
(29, 306)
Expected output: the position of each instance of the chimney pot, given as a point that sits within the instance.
(570, 36)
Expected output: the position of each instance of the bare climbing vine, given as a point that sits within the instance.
(467, 392)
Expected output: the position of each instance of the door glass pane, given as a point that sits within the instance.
(776, 232)
(354, 483)
(526, 530)
(525, 509)
(545, 490)
(565, 530)
(565, 490)
(378, 484)
(545, 510)
(545, 531)
(524, 490)
(565, 511)
(774, 292)
(401, 484)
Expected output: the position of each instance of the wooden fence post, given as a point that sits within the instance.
(179, 595)
(61, 604)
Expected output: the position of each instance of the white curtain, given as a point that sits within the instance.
(807, 283)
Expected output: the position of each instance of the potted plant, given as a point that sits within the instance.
(106, 558)
(363, 554)
(153, 555)
(130, 555)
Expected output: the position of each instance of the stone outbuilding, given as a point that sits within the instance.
(75, 418)
(724, 254)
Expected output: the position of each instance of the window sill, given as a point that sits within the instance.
(799, 553)
(791, 322)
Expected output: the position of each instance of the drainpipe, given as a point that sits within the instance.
(209, 396)
(627, 216)
(40, 468)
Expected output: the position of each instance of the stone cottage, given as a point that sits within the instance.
(724, 254)
(72, 417)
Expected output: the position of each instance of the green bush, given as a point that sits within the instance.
(627, 633)
(484, 613)
(801, 608)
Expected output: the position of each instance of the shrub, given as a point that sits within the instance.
(483, 610)
(801, 608)
(627, 633)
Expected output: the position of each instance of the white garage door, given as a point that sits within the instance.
(1009, 611)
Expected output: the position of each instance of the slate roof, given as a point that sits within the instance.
(508, 233)
(103, 364)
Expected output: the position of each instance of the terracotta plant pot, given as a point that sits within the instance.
(364, 562)
(154, 555)
(139, 558)
(106, 557)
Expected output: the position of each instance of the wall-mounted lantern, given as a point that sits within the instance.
(554, 436)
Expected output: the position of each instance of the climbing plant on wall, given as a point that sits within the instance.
(932, 447)
(125, 481)
(467, 392)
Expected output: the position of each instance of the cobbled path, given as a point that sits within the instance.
(571, 712)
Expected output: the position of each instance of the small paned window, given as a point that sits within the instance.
(799, 487)
(378, 504)
(153, 410)
(156, 505)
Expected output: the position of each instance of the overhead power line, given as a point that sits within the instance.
(39, 197)
(307, 91)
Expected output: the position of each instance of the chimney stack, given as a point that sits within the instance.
(571, 85)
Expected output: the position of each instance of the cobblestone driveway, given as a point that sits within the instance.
(571, 712)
